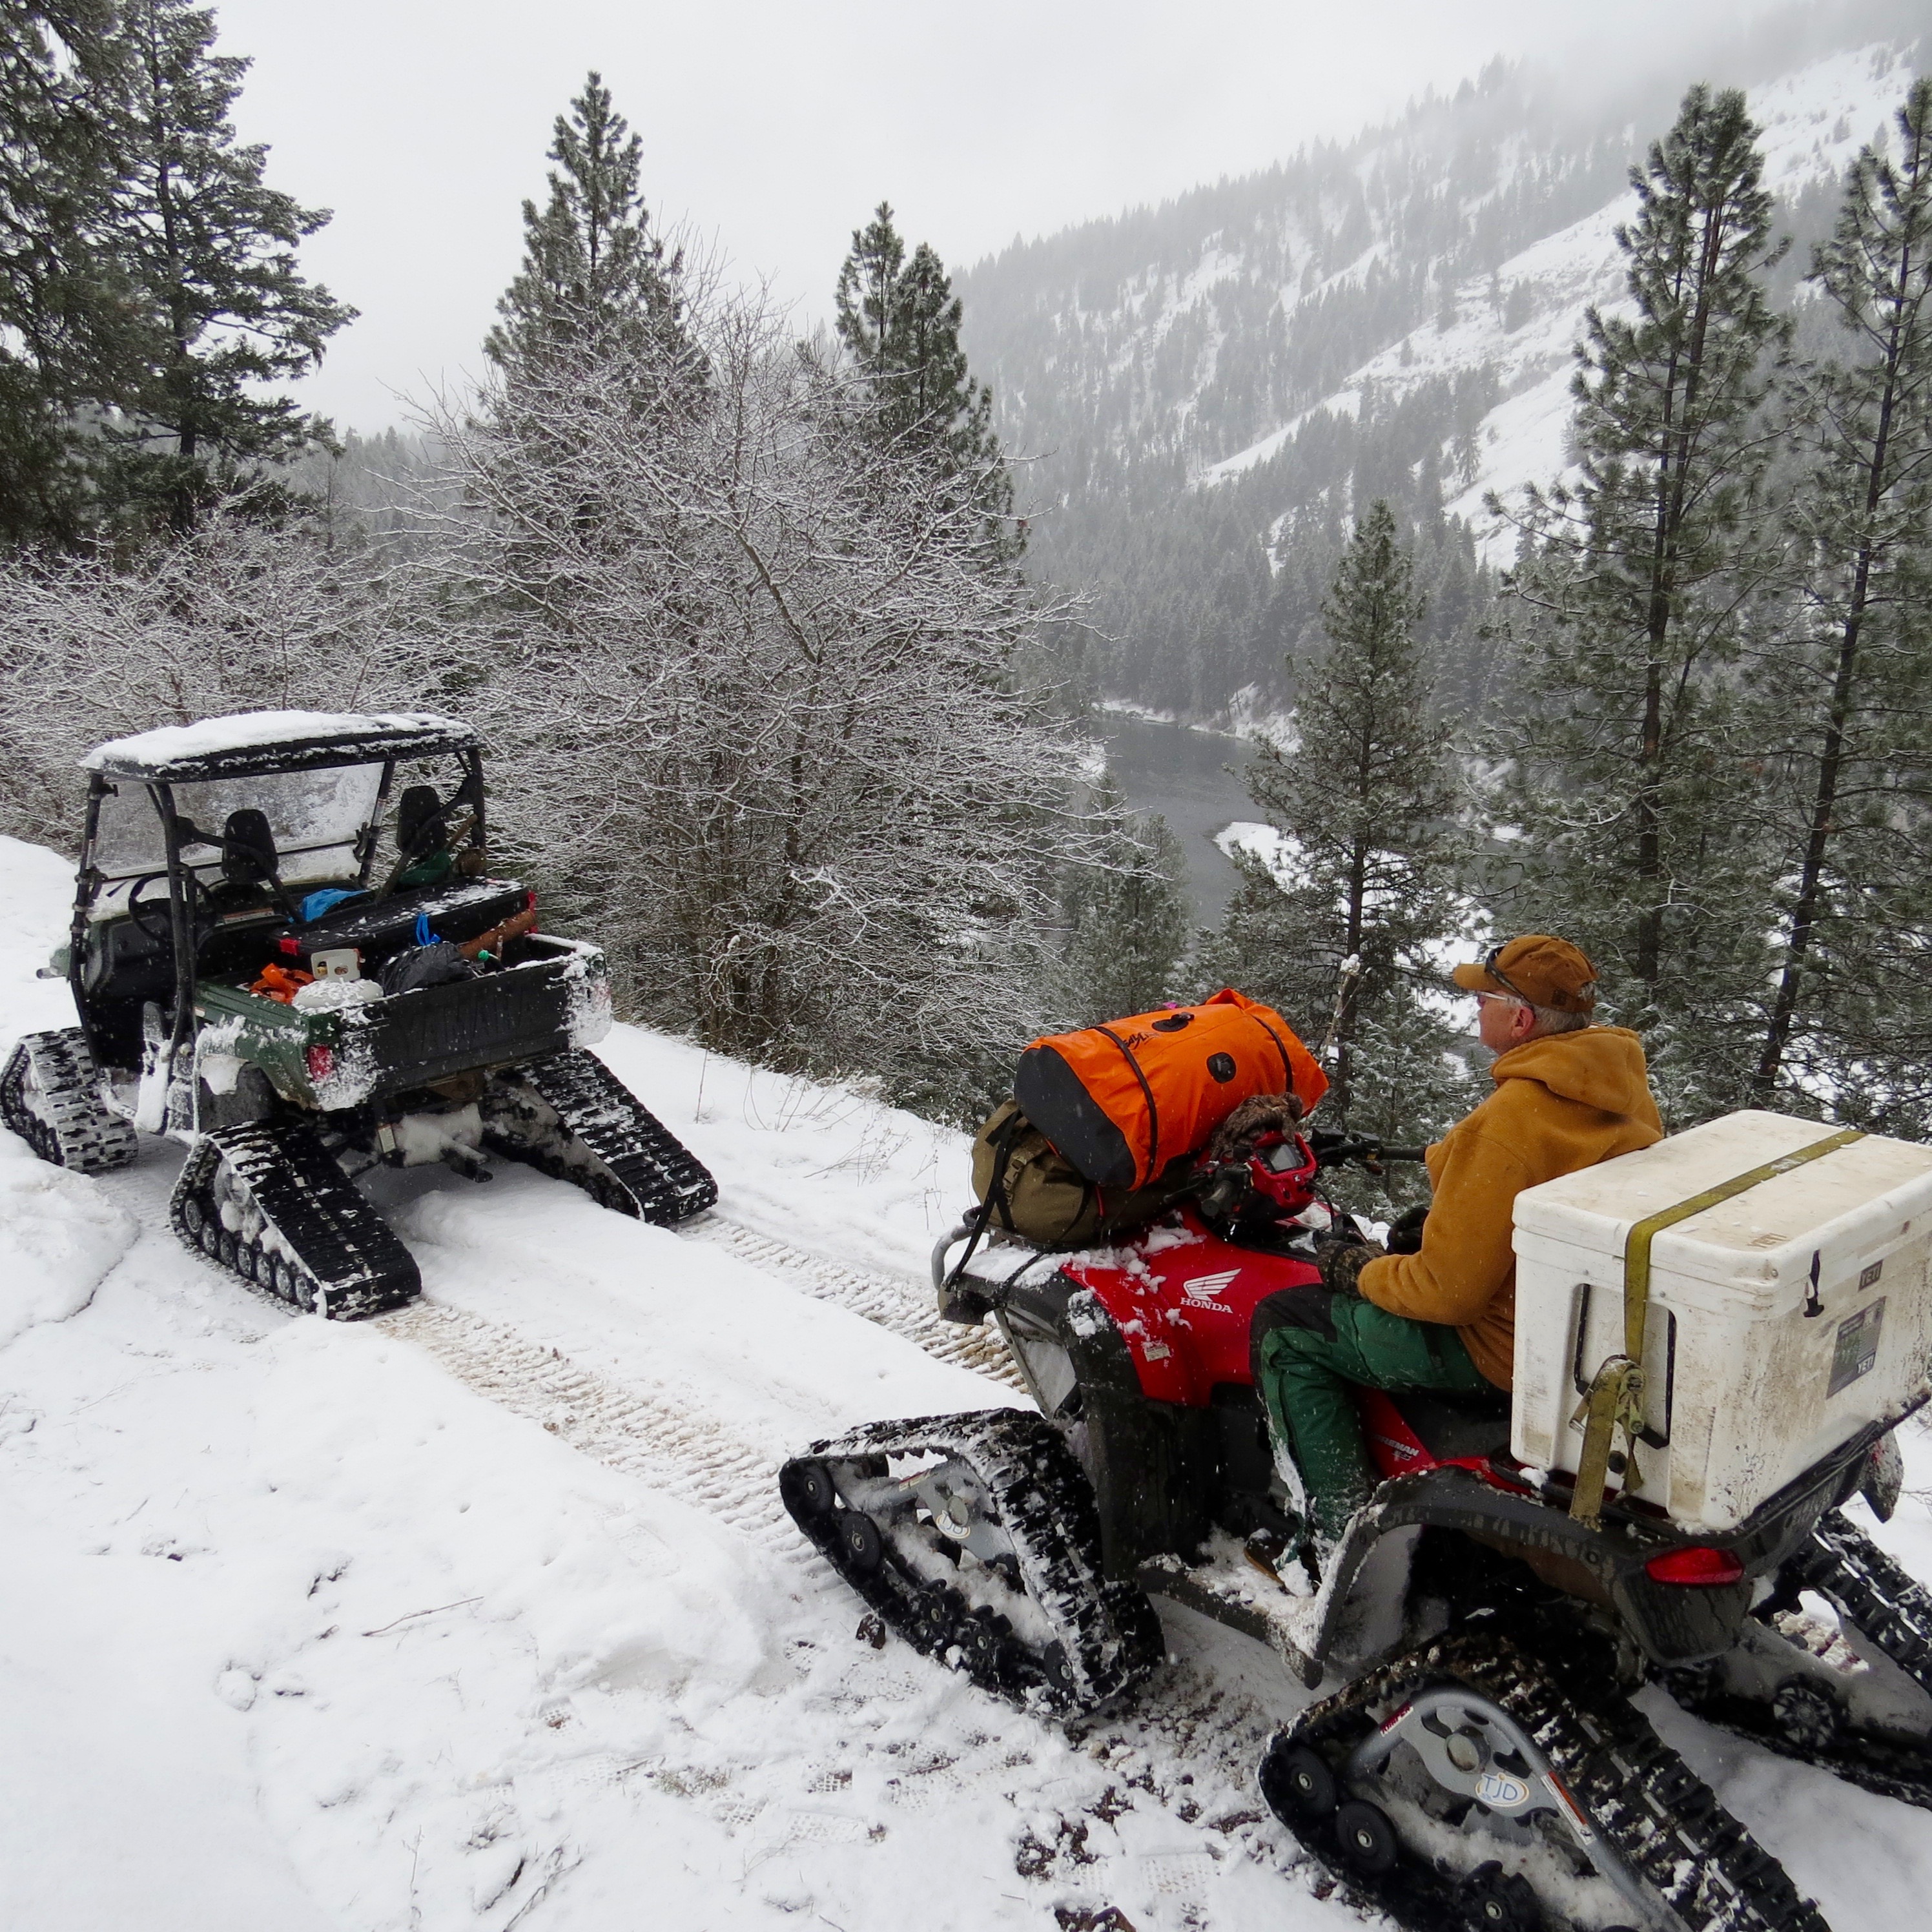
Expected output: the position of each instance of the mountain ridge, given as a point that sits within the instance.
(1202, 391)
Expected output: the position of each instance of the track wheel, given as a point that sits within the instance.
(1365, 1838)
(937, 1614)
(806, 1489)
(859, 1541)
(1807, 1713)
(981, 1636)
(1494, 1900)
(1296, 1779)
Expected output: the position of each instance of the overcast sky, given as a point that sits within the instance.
(772, 128)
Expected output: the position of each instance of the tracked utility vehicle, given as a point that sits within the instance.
(289, 952)
(1716, 1338)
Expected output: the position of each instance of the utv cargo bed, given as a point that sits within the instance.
(557, 995)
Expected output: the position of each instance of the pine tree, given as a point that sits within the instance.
(64, 334)
(1364, 806)
(211, 248)
(590, 259)
(899, 321)
(1627, 781)
(1846, 697)
(1126, 913)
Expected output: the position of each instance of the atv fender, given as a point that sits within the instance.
(1602, 1563)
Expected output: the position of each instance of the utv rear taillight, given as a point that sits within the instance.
(321, 1062)
(1700, 1566)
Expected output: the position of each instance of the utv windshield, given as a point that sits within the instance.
(316, 817)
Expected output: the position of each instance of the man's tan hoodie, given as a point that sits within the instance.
(1561, 1103)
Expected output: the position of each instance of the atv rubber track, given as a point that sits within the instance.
(335, 1255)
(1887, 1607)
(1108, 1635)
(71, 1126)
(570, 1117)
(1657, 1816)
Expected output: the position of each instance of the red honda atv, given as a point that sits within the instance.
(1481, 1762)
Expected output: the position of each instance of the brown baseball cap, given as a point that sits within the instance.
(1544, 971)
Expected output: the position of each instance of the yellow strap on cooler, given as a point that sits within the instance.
(1615, 1397)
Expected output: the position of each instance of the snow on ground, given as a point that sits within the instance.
(483, 1614)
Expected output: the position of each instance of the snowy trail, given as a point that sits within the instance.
(634, 1432)
(903, 1307)
(486, 1613)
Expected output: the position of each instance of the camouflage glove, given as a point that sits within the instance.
(1342, 1260)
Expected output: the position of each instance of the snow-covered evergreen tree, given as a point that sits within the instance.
(591, 261)
(1363, 805)
(1127, 926)
(210, 248)
(65, 340)
(899, 321)
(1628, 780)
(1845, 693)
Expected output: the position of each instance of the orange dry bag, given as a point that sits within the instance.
(1122, 1100)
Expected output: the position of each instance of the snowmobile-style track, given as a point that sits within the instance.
(267, 1201)
(983, 1549)
(49, 1095)
(1631, 1801)
(1875, 1595)
(1885, 1607)
(570, 1117)
(903, 1307)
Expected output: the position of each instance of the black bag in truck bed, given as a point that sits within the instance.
(523, 1013)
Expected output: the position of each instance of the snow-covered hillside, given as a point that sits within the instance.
(1210, 389)
(1814, 122)
(484, 1613)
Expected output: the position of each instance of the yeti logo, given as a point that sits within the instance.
(1205, 1287)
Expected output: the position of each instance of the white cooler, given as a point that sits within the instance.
(1782, 1320)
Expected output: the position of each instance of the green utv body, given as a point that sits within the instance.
(353, 846)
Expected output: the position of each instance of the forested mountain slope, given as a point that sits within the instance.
(1208, 389)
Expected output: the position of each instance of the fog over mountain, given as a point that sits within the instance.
(1206, 390)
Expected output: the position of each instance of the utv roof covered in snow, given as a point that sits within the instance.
(248, 743)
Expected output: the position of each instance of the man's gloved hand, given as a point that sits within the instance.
(1404, 1234)
(1341, 1258)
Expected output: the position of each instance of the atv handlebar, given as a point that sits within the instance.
(1334, 1149)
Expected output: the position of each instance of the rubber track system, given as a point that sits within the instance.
(267, 1201)
(1091, 1638)
(571, 1118)
(1643, 1800)
(1888, 1608)
(49, 1095)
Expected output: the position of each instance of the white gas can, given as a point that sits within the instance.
(1783, 1320)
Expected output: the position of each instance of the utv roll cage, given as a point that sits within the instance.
(157, 761)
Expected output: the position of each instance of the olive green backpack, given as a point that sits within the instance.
(1027, 1189)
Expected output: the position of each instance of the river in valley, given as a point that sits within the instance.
(1184, 776)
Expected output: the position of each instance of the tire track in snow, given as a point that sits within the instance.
(639, 1431)
(1185, 1744)
(901, 1306)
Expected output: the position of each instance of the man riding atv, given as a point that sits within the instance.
(1568, 1095)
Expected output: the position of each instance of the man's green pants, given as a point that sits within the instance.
(1310, 1345)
